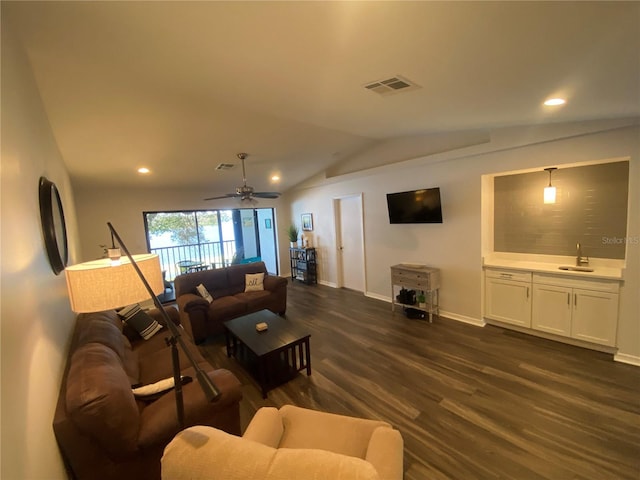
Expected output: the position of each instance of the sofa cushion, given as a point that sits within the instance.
(227, 307)
(103, 328)
(155, 366)
(130, 362)
(255, 301)
(236, 274)
(205, 452)
(100, 402)
(304, 428)
(107, 316)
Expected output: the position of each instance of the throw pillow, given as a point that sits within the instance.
(253, 281)
(204, 293)
(153, 391)
(160, 386)
(142, 323)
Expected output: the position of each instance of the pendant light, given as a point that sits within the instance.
(550, 190)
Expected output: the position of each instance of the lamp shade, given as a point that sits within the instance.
(97, 285)
(549, 194)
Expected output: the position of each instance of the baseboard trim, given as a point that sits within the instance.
(377, 296)
(327, 284)
(628, 359)
(476, 322)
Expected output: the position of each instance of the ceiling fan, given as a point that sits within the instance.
(245, 192)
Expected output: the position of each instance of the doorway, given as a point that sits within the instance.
(349, 222)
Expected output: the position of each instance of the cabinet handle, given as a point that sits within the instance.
(505, 275)
(575, 299)
(569, 299)
(527, 292)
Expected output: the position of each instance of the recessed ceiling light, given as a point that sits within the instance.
(144, 170)
(275, 178)
(552, 102)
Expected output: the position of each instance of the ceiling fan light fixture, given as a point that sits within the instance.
(246, 192)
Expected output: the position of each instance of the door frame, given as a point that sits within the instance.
(338, 234)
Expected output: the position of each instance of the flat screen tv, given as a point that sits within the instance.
(416, 206)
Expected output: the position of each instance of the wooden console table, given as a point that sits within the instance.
(421, 279)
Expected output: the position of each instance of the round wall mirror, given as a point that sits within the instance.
(54, 229)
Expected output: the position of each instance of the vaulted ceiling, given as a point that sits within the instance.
(180, 87)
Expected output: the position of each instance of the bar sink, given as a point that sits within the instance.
(576, 269)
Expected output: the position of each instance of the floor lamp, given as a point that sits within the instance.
(111, 283)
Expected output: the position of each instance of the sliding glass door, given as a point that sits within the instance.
(194, 240)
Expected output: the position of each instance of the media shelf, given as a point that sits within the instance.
(303, 265)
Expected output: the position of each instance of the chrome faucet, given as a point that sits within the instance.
(580, 260)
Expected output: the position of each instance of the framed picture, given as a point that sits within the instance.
(267, 223)
(307, 222)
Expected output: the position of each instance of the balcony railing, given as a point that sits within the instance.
(204, 255)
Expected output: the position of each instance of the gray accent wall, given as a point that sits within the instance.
(591, 208)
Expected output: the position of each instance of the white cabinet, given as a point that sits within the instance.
(595, 316)
(508, 297)
(578, 308)
(552, 309)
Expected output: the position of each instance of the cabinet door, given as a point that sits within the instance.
(551, 310)
(595, 316)
(508, 301)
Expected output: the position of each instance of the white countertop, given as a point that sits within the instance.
(602, 270)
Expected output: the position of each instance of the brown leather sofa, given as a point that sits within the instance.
(226, 286)
(103, 430)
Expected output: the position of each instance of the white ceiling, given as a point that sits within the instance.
(180, 87)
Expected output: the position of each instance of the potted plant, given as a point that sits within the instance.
(422, 301)
(293, 233)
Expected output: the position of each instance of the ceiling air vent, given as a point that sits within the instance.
(225, 166)
(392, 85)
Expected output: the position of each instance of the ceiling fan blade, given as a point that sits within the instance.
(266, 194)
(228, 195)
(245, 192)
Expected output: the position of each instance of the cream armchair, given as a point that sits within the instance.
(289, 443)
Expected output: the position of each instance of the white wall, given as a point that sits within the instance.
(455, 245)
(123, 207)
(36, 321)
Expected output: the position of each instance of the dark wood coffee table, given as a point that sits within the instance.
(273, 356)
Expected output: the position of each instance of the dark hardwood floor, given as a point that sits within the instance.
(470, 402)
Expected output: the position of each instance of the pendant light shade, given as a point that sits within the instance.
(550, 190)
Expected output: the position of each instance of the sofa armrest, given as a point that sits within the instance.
(265, 427)
(278, 288)
(194, 311)
(274, 282)
(190, 301)
(173, 314)
(159, 420)
(385, 452)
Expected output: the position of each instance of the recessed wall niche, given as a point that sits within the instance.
(591, 208)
